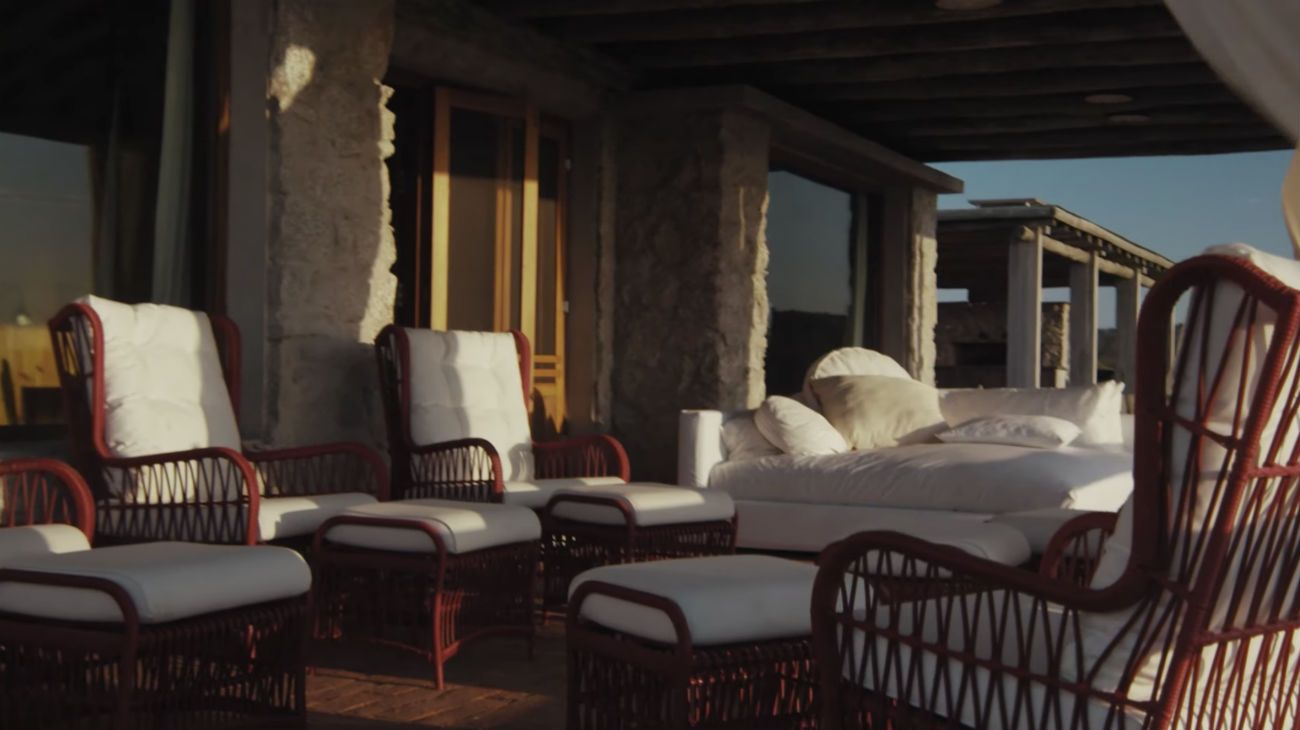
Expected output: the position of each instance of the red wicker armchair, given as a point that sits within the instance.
(1191, 614)
(468, 467)
(238, 665)
(211, 490)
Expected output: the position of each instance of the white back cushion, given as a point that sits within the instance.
(28, 540)
(850, 361)
(467, 384)
(163, 387)
(1095, 409)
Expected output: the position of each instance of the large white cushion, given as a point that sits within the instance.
(651, 504)
(725, 599)
(18, 542)
(851, 361)
(536, 493)
(797, 429)
(467, 384)
(463, 526)
(163, 387)
(873, 411)
(1039, 432)
(167, 581)
(281, 517)
(1095, 409)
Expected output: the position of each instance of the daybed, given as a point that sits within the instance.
(947, 492)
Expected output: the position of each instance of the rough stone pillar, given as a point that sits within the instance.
(1083, 321)
(1024, 310)
(690, 308)
(331, 245)
(909, 282)
(1127, 303)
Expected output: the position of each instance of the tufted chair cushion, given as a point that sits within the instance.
(467, 384)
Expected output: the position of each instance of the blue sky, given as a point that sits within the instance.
(1174, 205)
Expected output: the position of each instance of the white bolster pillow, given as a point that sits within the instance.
(699, 446)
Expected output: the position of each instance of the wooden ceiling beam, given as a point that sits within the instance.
(1127, 134)
(1075, 27)
(1197, 146)
(1148, 100)
(535, 9)
(1190, 115)
(930, 62)
(1028, 83)
(732, 22)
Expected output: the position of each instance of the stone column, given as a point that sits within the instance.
(690, 309)
(1127, 296)
(329, 288)
(908, 259)
(1024, 310)
(1083, 321)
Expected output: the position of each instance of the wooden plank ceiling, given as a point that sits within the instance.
(1018, 79)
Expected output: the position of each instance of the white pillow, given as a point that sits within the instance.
(850, 361)
(743, 439)
(874, 411)
(797, 429)
(1040, 432)
(1095, 409)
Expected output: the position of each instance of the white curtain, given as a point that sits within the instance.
(1254, 45)
(172, 241)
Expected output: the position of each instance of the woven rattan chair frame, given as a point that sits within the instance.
(433, 604)
(622, 682)
(241, 667)
(204, 495)
(1210, 610)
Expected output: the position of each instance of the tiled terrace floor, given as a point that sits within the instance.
(491, 685)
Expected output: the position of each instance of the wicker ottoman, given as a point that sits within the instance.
(608, 524)
(156, 635)
(714, 642)
(428, 575)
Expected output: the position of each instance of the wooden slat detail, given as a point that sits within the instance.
(782, 19)
(1144, 149)
(559, 8)
(942, 109)
(1100, 119)
(1078, 27)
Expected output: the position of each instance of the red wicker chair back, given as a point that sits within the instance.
(44, 492)
(1191, 618)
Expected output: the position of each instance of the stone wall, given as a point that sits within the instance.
(923, 286)
(970, 342)
(690, 309)
(331, 244)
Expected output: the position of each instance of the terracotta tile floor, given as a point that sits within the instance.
(491, 685)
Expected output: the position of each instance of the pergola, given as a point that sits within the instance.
(935, 79)
(1009, 250)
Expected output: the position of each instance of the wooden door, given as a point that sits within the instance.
(498, 232)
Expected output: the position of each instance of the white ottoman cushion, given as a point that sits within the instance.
(463, 526)
(726, 599)
(281, 517)
(536, 493)
(166, 581)
(1037, 525)
(651, 504)
(17, 542)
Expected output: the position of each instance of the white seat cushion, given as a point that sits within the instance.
(1037, 525)
(18, 542)
(467, 384)
(536, 493)
(651, 504)
(167, 581)
(281, 517)
(463, 526)
(726, 599)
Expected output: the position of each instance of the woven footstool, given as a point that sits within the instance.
(714, 642)
(608, 524)
(157, 635)
(428, 575)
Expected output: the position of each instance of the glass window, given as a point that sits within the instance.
(809, 275)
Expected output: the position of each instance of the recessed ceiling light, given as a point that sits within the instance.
(1129, 118)
(1108, 98)
(966, 4)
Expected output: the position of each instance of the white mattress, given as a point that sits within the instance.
(981, 478)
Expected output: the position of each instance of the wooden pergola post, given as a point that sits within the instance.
(1083, 321)
(1127, 303)
(1025, 310)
